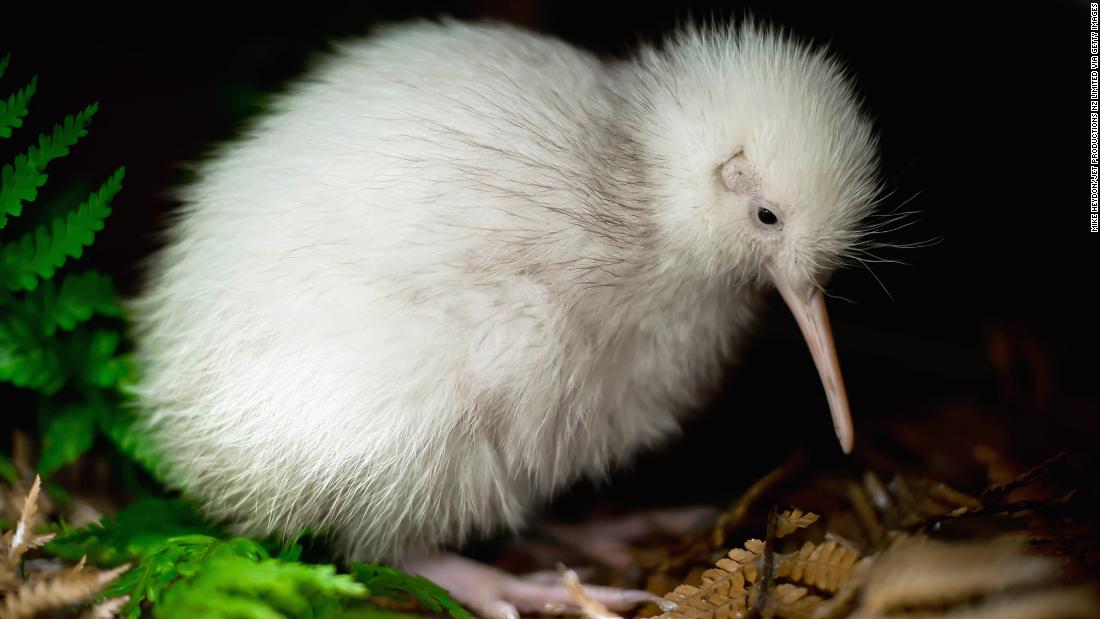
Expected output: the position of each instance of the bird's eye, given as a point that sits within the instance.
(766, 217)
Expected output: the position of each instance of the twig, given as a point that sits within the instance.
(589, 607)
(995, 494)
(865, 513)
(763, 587)
(933, 522)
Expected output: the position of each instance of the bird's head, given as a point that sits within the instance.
(764, 166)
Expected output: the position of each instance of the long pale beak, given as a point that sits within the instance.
(808, 307)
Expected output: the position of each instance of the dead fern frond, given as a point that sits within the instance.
(33, 586)
(846, 597)
(9, 573)
(14, 544)
(723, 593)
(792, 520)
(791, 602)
(826, 566)
(107, 609)
(20, 541)
(902, 567)
(66, 589)
(38, 541)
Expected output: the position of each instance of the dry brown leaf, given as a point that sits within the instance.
(910, 576)
(1060, 603)
(860, 500)
(916, 572)
(792, 520)
(826, 566)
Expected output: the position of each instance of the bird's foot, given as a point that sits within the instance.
(493, 594)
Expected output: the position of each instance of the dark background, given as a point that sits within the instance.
(982, 111)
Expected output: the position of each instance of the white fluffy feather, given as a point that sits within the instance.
(458, 266)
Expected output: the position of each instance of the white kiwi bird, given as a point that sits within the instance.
(458, 266)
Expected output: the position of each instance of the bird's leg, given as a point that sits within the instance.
(494, 594)
(607, 540)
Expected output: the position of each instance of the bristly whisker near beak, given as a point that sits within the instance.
(807, 303)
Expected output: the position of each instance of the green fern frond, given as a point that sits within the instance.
(67, 435)
(119, 426)
(232, 586)
(94, 359)
(19, 182)
(79, 297)
(389, 582)
(131, 534)
(202, 576)
(38, 254)
(171, 560)
(4, 64)
(24, 360)
(15, 109)
(31, 353)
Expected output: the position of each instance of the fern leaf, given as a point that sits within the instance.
(792, 520)
(4, 64)
(31, 360)
(722, 593)
(233, 586)
(19, 182)
(77, 299)
(202, 576)
(104, 368)
(18, 543)
(118, 426)
(171, 560)
(57, 593)
(67, 436)
(16, 108)
(38, 254)
(825, 566)
(24, 360)
(791, 602)
(389, 582)
(107, 609)
(132, 533)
